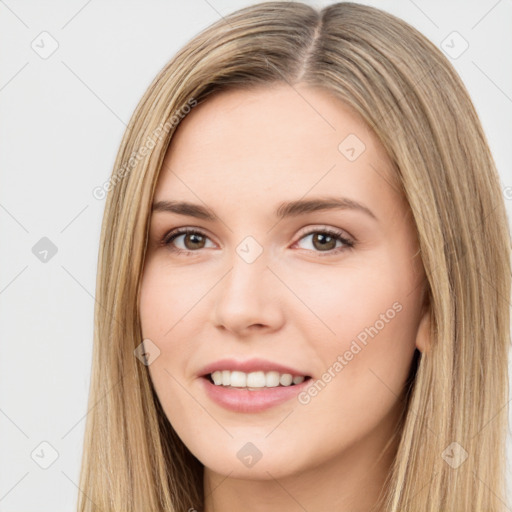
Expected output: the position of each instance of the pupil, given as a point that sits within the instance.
(323, 238)
(194, 239)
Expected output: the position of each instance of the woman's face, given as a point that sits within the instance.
(262, 289)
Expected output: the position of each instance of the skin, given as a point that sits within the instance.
(300, 303)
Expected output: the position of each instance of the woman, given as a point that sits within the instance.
(304, 279)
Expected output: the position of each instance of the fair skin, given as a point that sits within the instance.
(301, 302)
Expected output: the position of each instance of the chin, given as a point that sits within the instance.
(254, 461)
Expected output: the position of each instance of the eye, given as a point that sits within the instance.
(192, 238)
(325, 240)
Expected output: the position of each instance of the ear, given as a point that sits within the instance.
(423, 341)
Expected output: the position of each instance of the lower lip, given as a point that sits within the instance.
(244, 400)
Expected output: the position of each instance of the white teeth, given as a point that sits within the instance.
(238, 379)
(254, 380)
(272, 379)
(217, 378)
(285, 379)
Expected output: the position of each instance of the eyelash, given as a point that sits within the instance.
(169, 237)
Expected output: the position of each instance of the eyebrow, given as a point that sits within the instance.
(285, 209)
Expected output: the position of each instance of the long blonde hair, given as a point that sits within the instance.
(410, 95)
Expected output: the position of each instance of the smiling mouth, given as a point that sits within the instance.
(254, 381)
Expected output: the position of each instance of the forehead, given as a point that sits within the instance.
(263, 144)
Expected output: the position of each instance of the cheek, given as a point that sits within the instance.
(365, 337)
(153, 296)
(365, 367)
(166, 297)
(165, 311)
(167, 319)
(160, 322)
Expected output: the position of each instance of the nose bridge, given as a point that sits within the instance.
(248, 269)
(245, 296)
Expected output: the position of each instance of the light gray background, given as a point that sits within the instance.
(62, 118)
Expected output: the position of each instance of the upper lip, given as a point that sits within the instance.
(247, 366)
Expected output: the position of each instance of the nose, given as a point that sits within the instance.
(248, 299)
